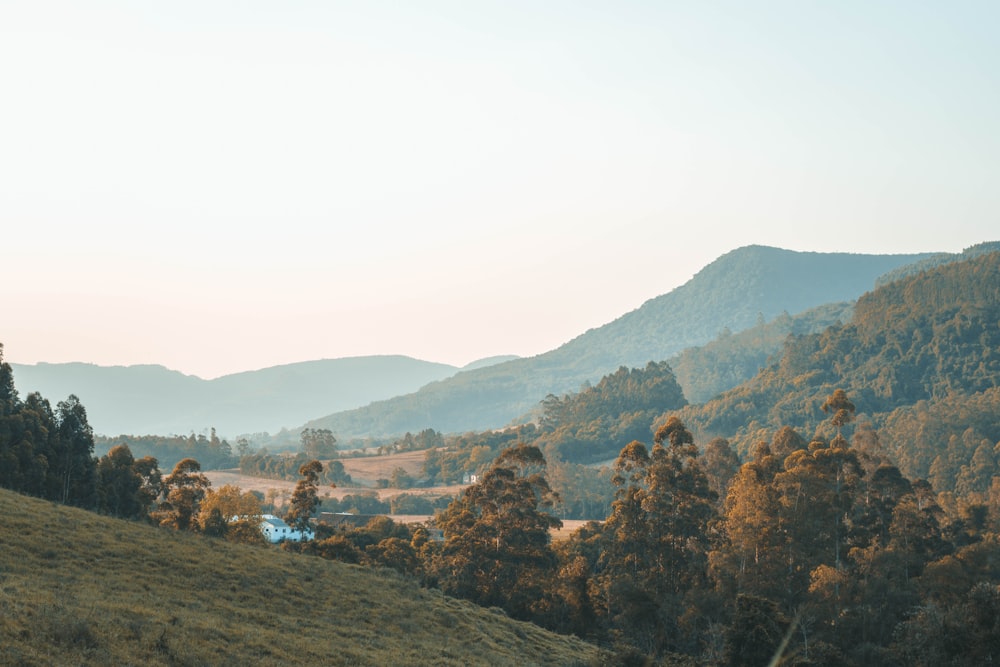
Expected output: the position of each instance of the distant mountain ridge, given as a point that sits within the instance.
(150, 399)
(735, 292)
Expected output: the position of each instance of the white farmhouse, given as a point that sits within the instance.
(276, 530)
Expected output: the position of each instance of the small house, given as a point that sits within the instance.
(276, 530)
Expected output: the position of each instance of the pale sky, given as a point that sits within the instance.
(224, 186)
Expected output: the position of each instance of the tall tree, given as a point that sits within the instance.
(497, 548)
(184, 489)
(73, 467)
(119, 484)
(319, 443)
(305, 498)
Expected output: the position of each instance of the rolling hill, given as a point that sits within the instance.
(153, 399)
(78, 588)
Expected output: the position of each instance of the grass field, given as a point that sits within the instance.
(80, 589)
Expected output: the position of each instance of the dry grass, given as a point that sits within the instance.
(80, 589)
(364, 471)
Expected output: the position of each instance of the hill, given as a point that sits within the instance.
(83, 589)
(920, 359)
(737, 291)
(152, 399)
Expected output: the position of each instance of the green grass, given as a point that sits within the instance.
(80, 589)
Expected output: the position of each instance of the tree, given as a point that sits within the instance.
(841, 407)
(720, 463)
(319, 443)
(73, 466)
(229, 512)
(119, 484)
(184, 490)
(305, 498)
(497, 549)
(656, 541)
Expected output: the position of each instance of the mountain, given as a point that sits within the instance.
(150, 399)
(920, 359)
(742, 288)
(489, 361)
(83, 589)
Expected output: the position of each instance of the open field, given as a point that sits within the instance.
(81, 589)
(364, 471)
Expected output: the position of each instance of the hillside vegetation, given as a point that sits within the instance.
(921, 357)
(80, 589)
(733, 293)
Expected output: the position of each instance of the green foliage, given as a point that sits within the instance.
(126, 488)
(732, 358)
(211, 451)
(45, 453)
(273, 466)
(305, 498)
(362, 502)
(496, 549)
(594, 424)
(318, 443)
(922, 353)
(183, 490)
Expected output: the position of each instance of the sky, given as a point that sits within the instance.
(220, 186)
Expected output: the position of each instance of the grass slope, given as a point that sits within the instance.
(80, 589)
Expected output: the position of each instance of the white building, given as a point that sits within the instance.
(276, 530)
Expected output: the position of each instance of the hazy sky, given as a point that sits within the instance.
(222, 186)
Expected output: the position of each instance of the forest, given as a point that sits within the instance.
(842, 507)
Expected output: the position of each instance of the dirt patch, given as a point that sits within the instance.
(365, 470)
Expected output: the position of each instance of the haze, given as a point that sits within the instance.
(224, 186)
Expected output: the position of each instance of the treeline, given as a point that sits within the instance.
(44, 452)
(274, 466)
(585, 427)
(818, 550)
(368, 502)
(212, 452)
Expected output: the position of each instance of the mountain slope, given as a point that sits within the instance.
(82, 589)
(734, 292)
(920, 359)
(153, 399)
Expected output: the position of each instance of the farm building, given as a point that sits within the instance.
(276, 530)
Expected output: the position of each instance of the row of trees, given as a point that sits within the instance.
(212, 451)
(276, 466)
(44, 452)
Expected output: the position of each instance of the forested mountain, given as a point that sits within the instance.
(921, 361)
(154, 400)
(741, 289)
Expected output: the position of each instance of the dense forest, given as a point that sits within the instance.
(818, 549)
(921, 355)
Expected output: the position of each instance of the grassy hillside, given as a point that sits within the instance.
(80, 589)
(732, 293)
